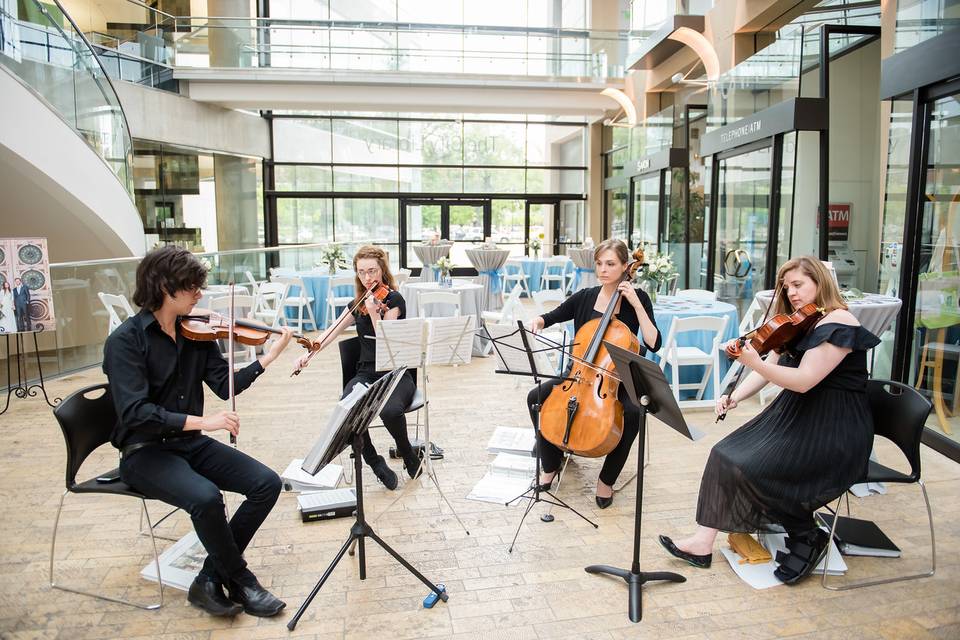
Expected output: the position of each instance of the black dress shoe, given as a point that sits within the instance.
(384, 473)
(207, 594)
(603, 503)
(701, 562)
(412, 463)
(256, 600)
(546, 486)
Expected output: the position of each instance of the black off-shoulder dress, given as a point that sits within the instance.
(801, 452)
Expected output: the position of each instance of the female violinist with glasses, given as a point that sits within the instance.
(634, 309)
(367, 310)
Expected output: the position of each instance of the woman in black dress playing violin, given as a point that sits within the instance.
(806, 448)
(611, 259)
(366, 312)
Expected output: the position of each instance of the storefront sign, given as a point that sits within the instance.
(740, 131)
(795, 114)
(642, 165)
(838, 222)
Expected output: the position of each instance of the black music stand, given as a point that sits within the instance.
(350, 433)
(527, 366)
(651, 392)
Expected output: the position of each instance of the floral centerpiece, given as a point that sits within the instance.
(334, 257)
(535, 245)
(445, 265)
(207, 264)
(658, 271)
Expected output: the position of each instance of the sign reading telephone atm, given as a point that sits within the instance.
(838, 222)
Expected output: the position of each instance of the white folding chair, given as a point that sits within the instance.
(697, 294)
(300, 301)
(509, 312)
(252, 282)
(115, 305)
(513, 273)
(336, 300)
(438, 297)
(677, 356)
(555, 270)
(244, 307)
(752, 318)
(401, 276)
(268, 303)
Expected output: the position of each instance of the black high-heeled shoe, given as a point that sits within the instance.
(545, 486)
(701, 562)
(603, 503)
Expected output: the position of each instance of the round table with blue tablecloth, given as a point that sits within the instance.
(666, 308)
(317, 284)
(533, 269)
(584, 269)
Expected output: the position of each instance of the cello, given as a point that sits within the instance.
(583, 415)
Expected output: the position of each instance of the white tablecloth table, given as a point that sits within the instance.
(584, 273)
(874, 311)
(489, 263)
(429, 254)
(471, 303)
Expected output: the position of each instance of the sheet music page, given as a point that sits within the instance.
(450, 340)
(400, 343)
(494, 487)
(511, 355)
(514, 466)
(519, 440)
(340, 411)
(299, 479)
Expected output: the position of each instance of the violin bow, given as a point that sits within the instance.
(230, 360)
(333, 327)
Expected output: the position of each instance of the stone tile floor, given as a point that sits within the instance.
(538, 591)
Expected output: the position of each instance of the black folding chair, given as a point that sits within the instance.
(87, 418)
(899, 414)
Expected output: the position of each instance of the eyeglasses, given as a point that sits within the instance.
(373, 273)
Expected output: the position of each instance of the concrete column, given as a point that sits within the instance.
(238, 212)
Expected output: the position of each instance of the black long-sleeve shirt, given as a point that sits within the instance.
(156, 382)
(580, 308)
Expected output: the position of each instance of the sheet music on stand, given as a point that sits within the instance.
(511, 352)
(400, 344)
(334, 422)
(450, 340)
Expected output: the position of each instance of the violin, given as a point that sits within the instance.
(380, 292)
(775, 334)
(206, 326)
(583, 415)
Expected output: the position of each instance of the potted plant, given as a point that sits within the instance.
(658, 271)
(334, 257)
(445, 265)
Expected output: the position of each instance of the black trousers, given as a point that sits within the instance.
(393, 416)
(551, 456)
(189, 473)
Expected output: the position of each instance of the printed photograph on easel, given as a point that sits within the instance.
(26, 297)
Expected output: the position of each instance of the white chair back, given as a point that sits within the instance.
(244, 307)
(438, 297)
(715, 324)
(697, 294)
(401, 276)
(268, 303)
(547, 299)
(254, 285)
(115, 305)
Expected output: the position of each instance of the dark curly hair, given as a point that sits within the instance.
(164, 271)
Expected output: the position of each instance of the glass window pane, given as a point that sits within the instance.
(555, 181)
(369, 11)
(423, 224)
(499, 13)
(365, 141)
(304, 220)
(486, 181)
(571, 225)
(365, 179)
(431, 142)
(646, 212)
(617, 213)
(367, 221)
(306, 140)
(431, 179)
(554, 145)
(466, 226)
(429, 12)
(507, 225)
(489, 143)
(303, 178)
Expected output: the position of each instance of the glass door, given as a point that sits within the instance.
(568, 227)
(645, 221)
(540, 217)
(743, 223)
(508, 225)
(423, 222)
(462, 221)
(468, 225)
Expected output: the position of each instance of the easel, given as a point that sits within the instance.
(651, 392)
(350, 433)
(518, 358)
(23, 388)
(415, 343)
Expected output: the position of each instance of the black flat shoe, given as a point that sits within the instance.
(256, 600)
(207, 594)
(701, 562)
(384, 473)
(603, 503)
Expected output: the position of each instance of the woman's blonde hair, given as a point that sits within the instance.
(828, 295)
(383, 261)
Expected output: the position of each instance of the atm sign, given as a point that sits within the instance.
(838, 216)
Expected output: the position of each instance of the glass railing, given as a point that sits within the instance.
(331, 45)
(45, 50)
(130, 68)
(920, 20)
(649, 15)
(82, 320)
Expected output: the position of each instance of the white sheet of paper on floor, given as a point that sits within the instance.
(514, 466)
(515, 440)
(867, 488)
(760, 576)
(179, 564)
(296, 479)
(497, 487)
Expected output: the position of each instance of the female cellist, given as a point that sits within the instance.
(611, 259)
(804, 449)
(372, 272)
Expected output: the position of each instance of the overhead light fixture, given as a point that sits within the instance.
(703, 48)
(627, 108)
(679, 78)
